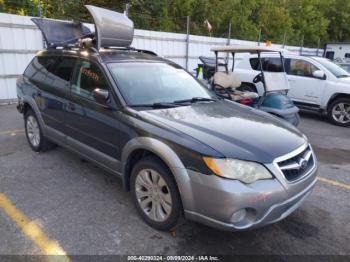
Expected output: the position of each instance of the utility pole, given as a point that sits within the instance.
(318, 46)
(40, 7)
(228, 40)
(127, 7)
(41, 15)
(259, 37)
(187, 39)
(301, 45)
(229, 34)
(284, 39)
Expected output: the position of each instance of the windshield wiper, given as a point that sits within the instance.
(155, 105)
(195, 100)
(175, 103)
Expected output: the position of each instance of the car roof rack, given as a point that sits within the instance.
(113, 31)
(144, 51)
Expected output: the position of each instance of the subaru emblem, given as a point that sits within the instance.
(302, 163)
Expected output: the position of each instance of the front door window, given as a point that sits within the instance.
(300, 67)
(88, 77)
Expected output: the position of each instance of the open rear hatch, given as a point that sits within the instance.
(112, 29)
(61, 33)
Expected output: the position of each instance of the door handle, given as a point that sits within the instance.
(71, 106)
(291, 80)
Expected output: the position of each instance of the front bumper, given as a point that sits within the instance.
(213, 200)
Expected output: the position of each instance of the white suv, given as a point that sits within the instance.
(315, 83)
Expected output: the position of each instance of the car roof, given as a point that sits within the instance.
(287, 54)
(245, 49)
(110, 42)
(110, 55)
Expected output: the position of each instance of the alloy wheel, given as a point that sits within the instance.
(33, 131)
(341, 113)
(153, 195)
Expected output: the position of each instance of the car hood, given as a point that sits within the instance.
(234, 130)
(345, 80)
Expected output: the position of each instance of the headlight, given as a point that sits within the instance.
(245, 171)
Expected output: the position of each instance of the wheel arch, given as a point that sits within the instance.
(335, 97)
(139, 147)
(29, 103)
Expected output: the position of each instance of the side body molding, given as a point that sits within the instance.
(169, 157)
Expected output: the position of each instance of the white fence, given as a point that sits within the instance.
(20, 40)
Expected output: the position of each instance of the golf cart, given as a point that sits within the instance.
(226, 83)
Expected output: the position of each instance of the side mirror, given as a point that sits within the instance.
(258, 78)
(319, 74)
(101, 96)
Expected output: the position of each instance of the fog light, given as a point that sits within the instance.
(238, 216)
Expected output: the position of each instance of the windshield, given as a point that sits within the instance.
(144, 83)
(332, 67)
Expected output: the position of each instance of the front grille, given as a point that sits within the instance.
(298, 165)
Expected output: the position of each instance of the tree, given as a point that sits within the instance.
(311, 20)
(19, 7)
(274, 20)
(338, 14)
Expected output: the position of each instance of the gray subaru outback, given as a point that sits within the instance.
(177, 147)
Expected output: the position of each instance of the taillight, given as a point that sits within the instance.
(246, 101)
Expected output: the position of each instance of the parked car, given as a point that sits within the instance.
(315, 83)
(177, 147)
(227, 83)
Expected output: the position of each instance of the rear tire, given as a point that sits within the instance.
(339, 112)
(37, 141)
(155, 193)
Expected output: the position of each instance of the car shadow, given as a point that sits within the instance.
(278, 238)
(313, 116)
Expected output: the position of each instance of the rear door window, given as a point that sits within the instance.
(254, 63)
(38, 69)
(59, 75)
(270, 64)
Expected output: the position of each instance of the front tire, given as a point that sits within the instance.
(34, 133)
(155, 194)
(339, 112)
